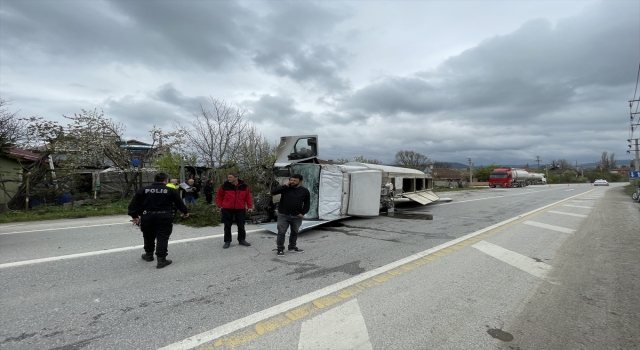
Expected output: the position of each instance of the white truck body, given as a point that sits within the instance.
(351, 189)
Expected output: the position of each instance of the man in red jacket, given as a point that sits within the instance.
(234, 199)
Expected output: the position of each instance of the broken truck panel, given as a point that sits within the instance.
(351, 189)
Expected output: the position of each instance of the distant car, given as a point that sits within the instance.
(600, 183)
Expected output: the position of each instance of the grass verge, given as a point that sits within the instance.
(52, 212)
(629, 189)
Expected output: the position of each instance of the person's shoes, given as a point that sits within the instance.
(162, 262)
(226, 245)
(244, 243)
(280, 253)
(147, 256)
(296, 250)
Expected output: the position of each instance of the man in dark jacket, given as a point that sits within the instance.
(295, 202)
(234, 199)
(191, 194)
(207, 189)
(152, 208)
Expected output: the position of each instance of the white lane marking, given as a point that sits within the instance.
(571, 189)
(576, 206)
(507, 195)
(524, 263)
(565, 213)
(342, 327)
(220, 331)
(21, 224)
(106, 251)
(65, 228)
(550, 227)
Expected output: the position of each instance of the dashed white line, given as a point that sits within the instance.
(106, 251)
(569, 214)
(576, 206)
(549, 227)
(524, 263)
(65, 228)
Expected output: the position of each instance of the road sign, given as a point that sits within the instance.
(634, 174)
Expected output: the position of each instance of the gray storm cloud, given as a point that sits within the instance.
(550, 87)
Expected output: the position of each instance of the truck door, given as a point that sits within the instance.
(364, 193)
(311, 180)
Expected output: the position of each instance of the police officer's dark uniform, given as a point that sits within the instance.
(154, 205)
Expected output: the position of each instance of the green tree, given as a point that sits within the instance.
(363, 159)
(169, 162)
(483, 174)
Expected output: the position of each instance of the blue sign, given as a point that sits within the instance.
(634, 174)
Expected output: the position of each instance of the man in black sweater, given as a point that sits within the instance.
(295, 201)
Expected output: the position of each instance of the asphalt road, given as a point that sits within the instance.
(533, 268)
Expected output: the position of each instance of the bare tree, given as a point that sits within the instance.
(563, 164)
(612, 161)
(411, 159)
(603, 164)
(13, 130)
(216, 134)
(93, 140)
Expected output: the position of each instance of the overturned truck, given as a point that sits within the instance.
(351, 189)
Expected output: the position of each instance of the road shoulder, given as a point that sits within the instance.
(593, 301)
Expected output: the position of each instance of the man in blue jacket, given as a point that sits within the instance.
(295, 202)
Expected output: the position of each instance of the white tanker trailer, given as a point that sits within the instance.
(537, 179)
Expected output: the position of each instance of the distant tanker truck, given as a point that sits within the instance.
(510, 177)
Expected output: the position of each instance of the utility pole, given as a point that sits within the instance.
(546, 168)
(538, 161)
(634, 124)
(470, 173)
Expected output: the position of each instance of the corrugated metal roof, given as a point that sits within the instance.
(24, 154)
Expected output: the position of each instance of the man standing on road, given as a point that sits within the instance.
(295, 202)
(152, 208)
(234, 199)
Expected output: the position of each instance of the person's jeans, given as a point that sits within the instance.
(191, 200)
(228, 216)
(284, 222)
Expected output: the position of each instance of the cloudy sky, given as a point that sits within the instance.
(496, 81)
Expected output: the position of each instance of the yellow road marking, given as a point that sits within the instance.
(241, 337)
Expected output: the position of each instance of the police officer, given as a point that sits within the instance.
(152, 208)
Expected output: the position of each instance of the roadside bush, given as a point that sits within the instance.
(200, 215)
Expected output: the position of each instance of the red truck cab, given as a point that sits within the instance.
(501, 177)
